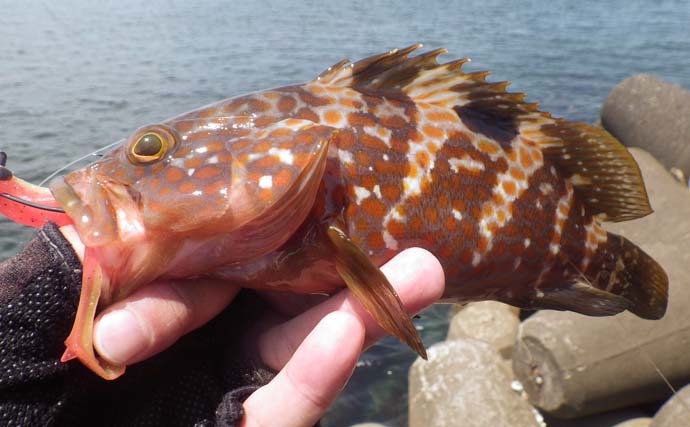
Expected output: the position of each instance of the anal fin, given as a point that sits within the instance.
(373, 290)
(582, 298)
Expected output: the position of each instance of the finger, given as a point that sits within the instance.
(417, 277)
(157, 315)
(311, 380)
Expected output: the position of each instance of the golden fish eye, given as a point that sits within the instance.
(150, 144)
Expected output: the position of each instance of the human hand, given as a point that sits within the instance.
(314, 346)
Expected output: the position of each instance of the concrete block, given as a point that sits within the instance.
(463, 384)
(676, 411)
(648, 113)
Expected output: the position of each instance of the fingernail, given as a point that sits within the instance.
(119, 337)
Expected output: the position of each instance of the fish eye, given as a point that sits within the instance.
(150, 144)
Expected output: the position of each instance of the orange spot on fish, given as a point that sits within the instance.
(214, 187)
(304, 138)
(509, 188)
(351, 103)
(391, 192)
(450, 223)
(280, 133)
(208, 112)
(259, 105)
(517, 174)
(500, 216)
(174, 174)
(264, 121)
(362, 158)
(265, 163)
(207, 172)
(482, 244)
(373, 143)
(396, 229)
(262, 147)
(241, 144)
(361, 119)
(432, 131)
(375, 241)
(282, 179)
(186, 187)
(286, 104)
(373, 207)
(537, 156)
(332, 117)
(431, 215)
(422, 159)
(193, 163)
(525, 158)
(432, 148)
(368, 181)
(446, 250)
(307, 114)
(265, 194)
(415, 224)
(316, 101)
(346, 140)
(393, 122)
(441, 116)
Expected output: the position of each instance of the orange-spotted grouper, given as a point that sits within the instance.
(312, 187)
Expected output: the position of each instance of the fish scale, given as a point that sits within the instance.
(312, 187)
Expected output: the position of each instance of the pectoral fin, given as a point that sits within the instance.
(372, 289)
(79, 343)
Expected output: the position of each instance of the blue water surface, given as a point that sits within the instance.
(77, 75)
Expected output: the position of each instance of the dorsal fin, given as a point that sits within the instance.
(602, 171)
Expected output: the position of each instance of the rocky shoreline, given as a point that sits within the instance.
(562, 369)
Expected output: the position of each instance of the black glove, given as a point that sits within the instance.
(200, 381)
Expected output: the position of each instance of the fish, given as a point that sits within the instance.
(312, 187)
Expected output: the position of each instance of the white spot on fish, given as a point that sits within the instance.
(457, 214)
(190, 171)
(527, 242)
(284, 155)
(554, 248)
(346, 156)
(361, 193)
(476, 257)
(197, 193)
(201, 150)
(377, 191)
(385, 157)
(212, 160)
(266, 181)
(545, 188)
(465, 163)
(390, 241)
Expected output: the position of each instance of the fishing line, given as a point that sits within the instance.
(72, 163)
(31, 204)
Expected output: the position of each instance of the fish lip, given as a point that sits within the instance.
(88, 199)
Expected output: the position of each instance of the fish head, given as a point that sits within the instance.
(198, 184)
(153, 182)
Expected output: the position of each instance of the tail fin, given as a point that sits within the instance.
(642, 281)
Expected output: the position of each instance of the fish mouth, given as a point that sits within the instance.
(102, 210)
